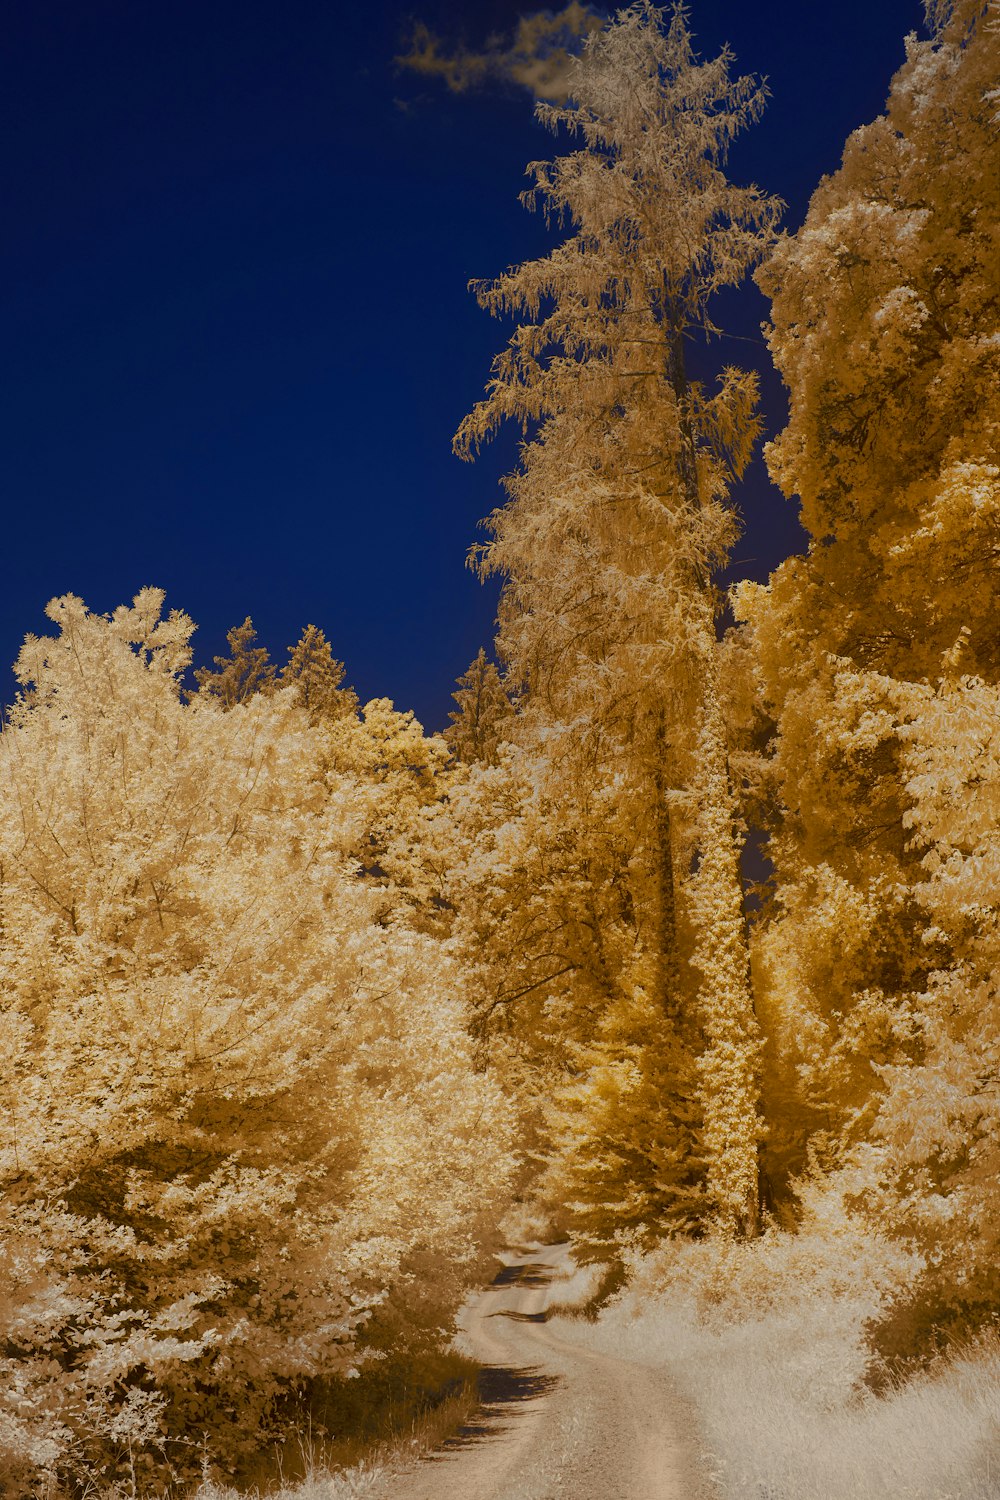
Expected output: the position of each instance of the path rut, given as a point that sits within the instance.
(557, 1421)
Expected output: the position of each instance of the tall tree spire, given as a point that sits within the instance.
(618, 515)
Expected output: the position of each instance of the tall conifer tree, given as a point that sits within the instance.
(618, 514)
(245, 671)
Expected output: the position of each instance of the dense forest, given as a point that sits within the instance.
(301, 1003)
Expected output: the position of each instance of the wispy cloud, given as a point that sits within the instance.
(536, 58)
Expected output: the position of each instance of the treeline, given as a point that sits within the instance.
(688, 1071)
(295, 997)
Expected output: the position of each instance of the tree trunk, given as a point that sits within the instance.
(728, 1067)
(668, 967)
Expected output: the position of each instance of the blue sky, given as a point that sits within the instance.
(236, 332)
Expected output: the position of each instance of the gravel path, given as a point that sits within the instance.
(558, 1422)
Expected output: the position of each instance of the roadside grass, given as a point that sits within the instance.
(573, 1287)
(355, 1436)
(359, 1483)
(365, 1428)
(767, 1342)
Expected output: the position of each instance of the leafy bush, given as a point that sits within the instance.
(238, 1100)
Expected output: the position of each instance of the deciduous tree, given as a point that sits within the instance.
(219, 1043)
(878, 653)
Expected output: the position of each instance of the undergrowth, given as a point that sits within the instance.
(352, 1434)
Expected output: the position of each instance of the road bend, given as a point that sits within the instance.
(557, 1421)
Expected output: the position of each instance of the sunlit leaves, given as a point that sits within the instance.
(223, 1036)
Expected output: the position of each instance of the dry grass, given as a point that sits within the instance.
(325, 1473)
(778, 1386)
(358, 1483)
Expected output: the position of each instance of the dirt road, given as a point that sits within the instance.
(558, 1422)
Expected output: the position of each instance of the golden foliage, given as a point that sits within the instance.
(219, 1043)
